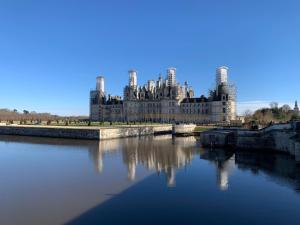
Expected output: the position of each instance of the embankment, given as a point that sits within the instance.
(90, 133)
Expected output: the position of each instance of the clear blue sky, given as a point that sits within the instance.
(51, 51)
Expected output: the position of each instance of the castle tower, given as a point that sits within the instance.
(132, 78)
(184, 89)
(221, 75)
(100, 84)
(151, 85)
(159, 82)
(171, 76)
(190, 92)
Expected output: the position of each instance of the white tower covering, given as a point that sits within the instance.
(132, 78)
(151, 85)
(221, 75)
(100, 84)
(171, 76)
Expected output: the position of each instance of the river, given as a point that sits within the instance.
(148, 180)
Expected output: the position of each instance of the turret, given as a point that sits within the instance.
(221, 75)
(185, 89)
(171, 76)
(296, 108)
(100, 84)
(190, 92)
(159, 82)
(132, 78)
(151, 85)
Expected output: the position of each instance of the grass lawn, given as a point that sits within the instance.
(203, 128)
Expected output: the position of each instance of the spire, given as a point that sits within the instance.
(296, 109)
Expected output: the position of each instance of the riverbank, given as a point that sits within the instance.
(277, 137)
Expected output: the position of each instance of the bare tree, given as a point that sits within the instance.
(286, 108)
(247, 113)
(274, 105)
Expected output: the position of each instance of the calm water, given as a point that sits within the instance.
(151, 180)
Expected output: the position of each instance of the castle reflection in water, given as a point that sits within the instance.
(162, 154)
(166, 154)
(279, 168)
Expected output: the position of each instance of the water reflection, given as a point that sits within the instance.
(224, 163)
(280, 168)
(162, 154)
(51, 181)
(165, 154)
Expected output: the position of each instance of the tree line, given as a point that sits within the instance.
(25, 116)
(273, 114)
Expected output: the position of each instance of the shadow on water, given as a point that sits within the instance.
(150, 202)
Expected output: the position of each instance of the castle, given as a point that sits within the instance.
(165, 101)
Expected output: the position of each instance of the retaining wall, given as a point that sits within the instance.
(92, 133)
(183, 128)
(280, 138)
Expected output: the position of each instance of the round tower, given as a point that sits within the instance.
(132, 78)
(221, 75)
(171, 76)
(100, 84)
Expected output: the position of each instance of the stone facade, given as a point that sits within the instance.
(166, 101)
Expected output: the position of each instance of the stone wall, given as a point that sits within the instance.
(183, 128)
(281, 137)
(120, 132)
(215, 138)
(92, 133)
